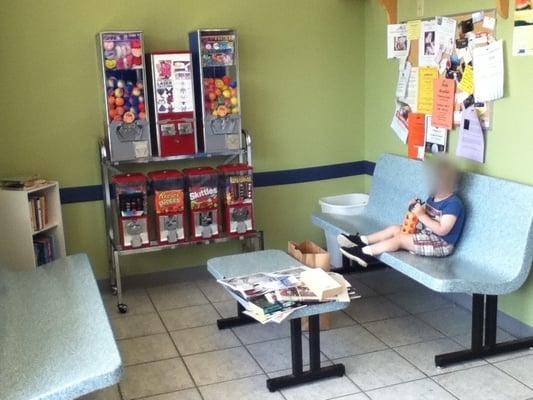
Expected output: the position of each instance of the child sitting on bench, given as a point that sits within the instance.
(441, 220)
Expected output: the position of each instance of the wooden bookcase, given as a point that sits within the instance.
(16, 243)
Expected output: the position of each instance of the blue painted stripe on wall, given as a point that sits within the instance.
(80, 194)
(310, 174)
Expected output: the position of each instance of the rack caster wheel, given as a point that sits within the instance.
(114, 290)
(122, 308)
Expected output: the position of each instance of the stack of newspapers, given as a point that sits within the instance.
(273, 296)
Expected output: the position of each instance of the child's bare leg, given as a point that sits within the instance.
(397, 242)
(384, 234)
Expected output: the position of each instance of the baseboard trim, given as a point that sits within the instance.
(158, 278)
(506, 322)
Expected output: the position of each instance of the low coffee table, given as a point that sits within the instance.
(270, 261)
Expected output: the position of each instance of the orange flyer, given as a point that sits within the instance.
(443, 103)
(416, 124)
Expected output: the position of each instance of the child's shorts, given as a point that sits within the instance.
(430, 245)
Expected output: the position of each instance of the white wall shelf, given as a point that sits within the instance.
(16, 245)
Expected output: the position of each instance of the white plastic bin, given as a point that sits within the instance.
(345, 204)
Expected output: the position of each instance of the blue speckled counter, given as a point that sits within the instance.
(265, 261)
(55, 338)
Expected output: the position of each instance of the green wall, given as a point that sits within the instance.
(301, 92)
(509, 144)
(316, 87)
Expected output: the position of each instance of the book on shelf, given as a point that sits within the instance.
(38, 212)
(44, 247)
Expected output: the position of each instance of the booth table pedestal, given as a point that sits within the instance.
(270, 261)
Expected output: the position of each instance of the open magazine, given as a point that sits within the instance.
(274, 296)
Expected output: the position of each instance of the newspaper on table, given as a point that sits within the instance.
(274, 296)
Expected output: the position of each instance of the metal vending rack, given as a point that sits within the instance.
(251, 241)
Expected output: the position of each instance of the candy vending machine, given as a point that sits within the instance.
(172, 103)
(127, 120)
(217, 86)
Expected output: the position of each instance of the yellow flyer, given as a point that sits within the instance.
(426, 79)
(413, 29)
(467, 81)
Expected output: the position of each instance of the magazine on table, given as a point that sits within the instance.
(274, 296)
(263, 282)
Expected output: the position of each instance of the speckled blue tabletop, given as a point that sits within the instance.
(495, 252)
(265, 261)
(55, 338)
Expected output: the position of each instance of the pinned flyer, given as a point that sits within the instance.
(427, 76)
(488, 73)
(399, 121)
(416, 139)
(413, 29)
(403, 79)
(426, 44)
(443, 103)
(436, 138)
(445, 29)
(397, 43)
(471, 144)
(411, 98)
(467, 81)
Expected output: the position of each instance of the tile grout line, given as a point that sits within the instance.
(174, 344)
(512, 376)
(168, 332)
(249, 352)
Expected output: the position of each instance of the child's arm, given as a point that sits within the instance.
(442, 227)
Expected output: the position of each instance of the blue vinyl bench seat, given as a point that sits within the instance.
(493, 256)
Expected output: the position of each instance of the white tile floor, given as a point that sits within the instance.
(172, 349)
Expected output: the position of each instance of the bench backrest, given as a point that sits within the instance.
(499, 213)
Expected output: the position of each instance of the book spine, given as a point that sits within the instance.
(45, 208)
(32, 214)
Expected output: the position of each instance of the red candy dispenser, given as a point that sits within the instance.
(237, 189)
(131, 197)
(169, 205)
(172, 102)
(204, 202)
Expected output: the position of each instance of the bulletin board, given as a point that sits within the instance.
(484, 110)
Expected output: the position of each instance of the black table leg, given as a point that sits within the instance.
(232, 322)
(315, 372)
(484, 325)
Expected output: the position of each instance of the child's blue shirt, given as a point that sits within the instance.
(452, 205)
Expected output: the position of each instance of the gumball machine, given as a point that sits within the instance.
(127, 123)
(237, 187)
(172, 103)
(202, 183)
(131, 195)
(169, 205)
(216, 76)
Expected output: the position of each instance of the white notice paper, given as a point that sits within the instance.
(436, 138)
(399, 121)
(488, 71)
(444, 36)
(471, 142)
(403, 79)
(397, 43)
(411, 98)
(426, 44)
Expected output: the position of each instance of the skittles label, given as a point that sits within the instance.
(169, 201)
(203, 197)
